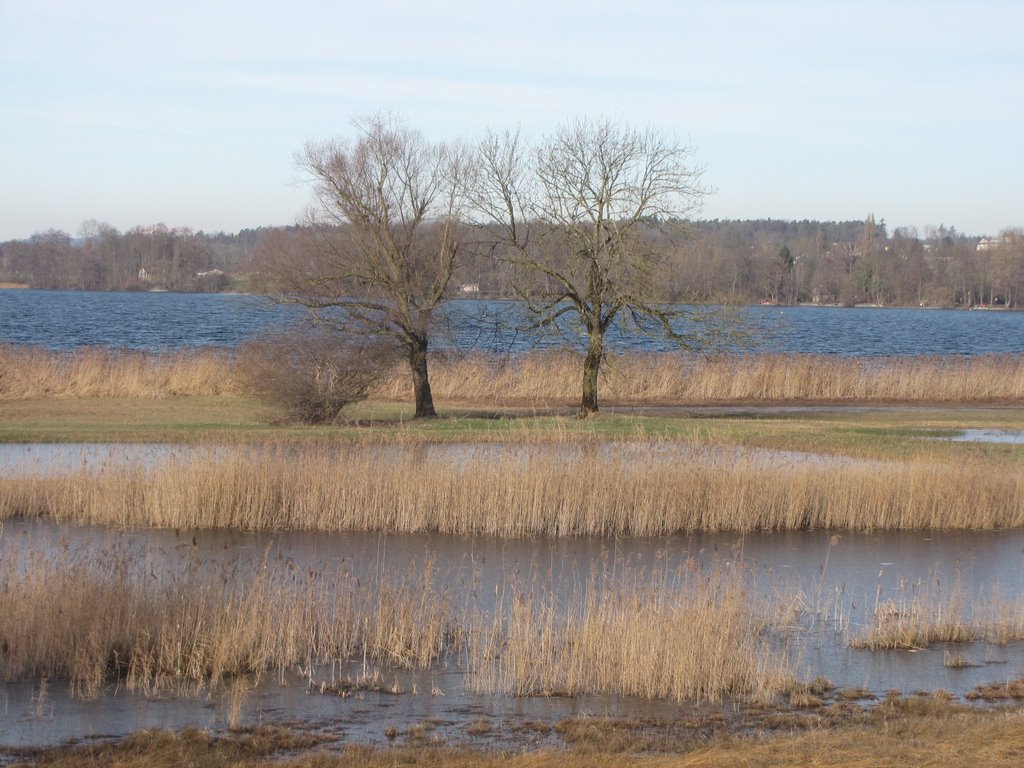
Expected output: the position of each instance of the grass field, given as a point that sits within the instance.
(867, 432)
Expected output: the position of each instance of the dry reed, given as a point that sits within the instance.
(552, 378)
(687, 636)
(544, 378)
(929, 611)
(651, 490)
(33, 372)
(93, 618)
(125, 617)
(926, 612)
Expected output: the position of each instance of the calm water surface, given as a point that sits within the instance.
(835, 579)
(157, 321)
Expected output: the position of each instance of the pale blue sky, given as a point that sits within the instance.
(190, 113)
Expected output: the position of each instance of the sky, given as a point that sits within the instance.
(190, 114)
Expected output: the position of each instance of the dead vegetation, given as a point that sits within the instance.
(312, 374)
(33, 372)
(892, 734)
(548, 378)
(140, 622)
(928, 611)
(685, 636)
(150, 626)
(561, 490)
(543, 378)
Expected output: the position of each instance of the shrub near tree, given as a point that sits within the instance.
(379, 246)
(314, 373)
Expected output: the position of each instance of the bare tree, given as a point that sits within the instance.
(379, 245)
(569, 213)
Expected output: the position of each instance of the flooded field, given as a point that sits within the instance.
(50, 459)
(54, 459)
(1003, 436)
(820, 594)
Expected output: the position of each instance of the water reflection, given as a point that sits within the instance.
(823, 587)
(49, 459)
(54, 459)
(1007, 436)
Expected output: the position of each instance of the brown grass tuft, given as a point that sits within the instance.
(928, 612)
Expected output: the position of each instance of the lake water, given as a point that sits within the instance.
(159, 321)
(834, 581)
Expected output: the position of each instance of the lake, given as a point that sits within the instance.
(162, 321)
(834, 580)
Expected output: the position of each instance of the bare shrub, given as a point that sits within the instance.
(313, 373)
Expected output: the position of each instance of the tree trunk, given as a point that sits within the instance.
(420, 380)
(591, 367)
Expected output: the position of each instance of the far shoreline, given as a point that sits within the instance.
(762, 305)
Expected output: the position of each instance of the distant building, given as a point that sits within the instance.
(470, 288)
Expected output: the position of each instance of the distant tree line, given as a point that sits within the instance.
(735, 261)
(156, 257)
(848, 263)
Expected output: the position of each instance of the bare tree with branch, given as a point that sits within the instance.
(379, 244)
(569, 213)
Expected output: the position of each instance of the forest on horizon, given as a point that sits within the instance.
(713, 261)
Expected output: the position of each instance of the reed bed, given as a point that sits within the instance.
(543, 378)
(136, 619)
(926, 612)
(33, 372)
(651, 490)
(121, 616)
(687, 636)
(550, 378)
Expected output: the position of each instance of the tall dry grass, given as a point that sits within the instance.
(544, 378)
(924, 613)
(687, 636)
(33, 372)
(97, 618)
(651, 490)
(124, 617)
(551, 378)
(930, 611)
